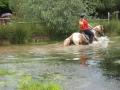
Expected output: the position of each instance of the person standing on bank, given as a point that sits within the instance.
(85, 27)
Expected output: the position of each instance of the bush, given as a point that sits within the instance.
(4, 34)
(15, 33)
(20, 33)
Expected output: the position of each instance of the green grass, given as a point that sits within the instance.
(4, 72)
(112, 28)
(27, 83)
(25, 33)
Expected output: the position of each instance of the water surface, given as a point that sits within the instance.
(74, 67)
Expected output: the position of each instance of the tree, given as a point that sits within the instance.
(104, 6)
(4, 6)
(117, 4)
(57, 14)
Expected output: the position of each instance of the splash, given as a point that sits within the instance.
(102, 42)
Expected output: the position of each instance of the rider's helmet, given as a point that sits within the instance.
(82, 15)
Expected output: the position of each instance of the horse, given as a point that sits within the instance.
(82, 39)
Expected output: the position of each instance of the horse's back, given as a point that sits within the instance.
(76, 38)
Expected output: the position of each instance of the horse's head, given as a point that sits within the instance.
(99, 30)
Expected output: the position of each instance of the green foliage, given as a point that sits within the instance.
(15, 33)
(3, 3)
(60, 16)
(4, 32)
(4, 6)
(105, 4)
(54, 19)
(102, 7)
(23, 32)
(112, 27)
(27, 83)
(50, 7)
(19, 33)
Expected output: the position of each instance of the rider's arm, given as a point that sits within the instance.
(90, 26)
(80, 23)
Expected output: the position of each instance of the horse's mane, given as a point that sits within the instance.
(98, 27)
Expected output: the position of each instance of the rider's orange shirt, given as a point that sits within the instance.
(83, 24)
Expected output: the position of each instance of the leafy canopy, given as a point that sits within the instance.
(56, 14)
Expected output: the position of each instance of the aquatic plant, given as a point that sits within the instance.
(27, 83)
(4, 72)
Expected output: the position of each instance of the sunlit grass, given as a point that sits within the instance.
(27, 83)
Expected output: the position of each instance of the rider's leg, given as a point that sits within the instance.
(90, 35)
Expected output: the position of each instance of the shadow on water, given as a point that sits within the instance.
(74, 67)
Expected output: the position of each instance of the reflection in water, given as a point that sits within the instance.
(83, 57)
(110, 65)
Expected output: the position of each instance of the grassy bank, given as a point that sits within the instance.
(21, 33)
(111, 28)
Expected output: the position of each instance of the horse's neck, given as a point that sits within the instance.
(97, 28)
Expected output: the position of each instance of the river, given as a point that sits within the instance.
(86, 67)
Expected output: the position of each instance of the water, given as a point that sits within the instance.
(88, 67)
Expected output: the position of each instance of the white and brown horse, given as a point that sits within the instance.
(81, 39)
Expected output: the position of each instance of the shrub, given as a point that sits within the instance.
(4, 33)
(19, 33)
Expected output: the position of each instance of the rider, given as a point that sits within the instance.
(85, 27)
